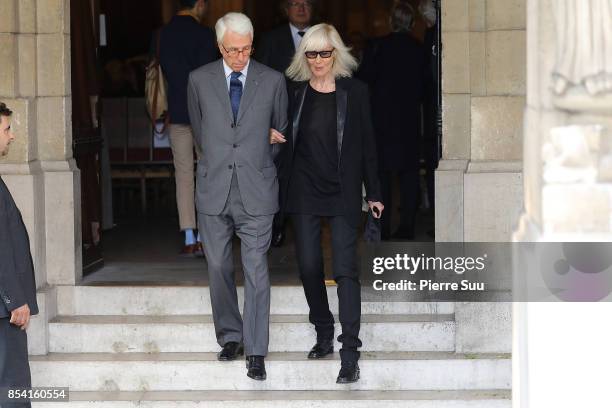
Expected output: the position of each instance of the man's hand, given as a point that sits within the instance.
(376, 207)
(276, 137)
(21, 317)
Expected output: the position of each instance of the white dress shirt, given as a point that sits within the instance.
(228, 74)
(297, 39)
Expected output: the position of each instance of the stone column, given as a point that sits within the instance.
(39, 170)
(568, 190)
(479, 180)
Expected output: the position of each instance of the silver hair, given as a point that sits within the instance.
(320, 38)
(428, 11)
(235, 22)
(402, 18)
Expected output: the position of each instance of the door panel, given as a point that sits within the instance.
(85, 132)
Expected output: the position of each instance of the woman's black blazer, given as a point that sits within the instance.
(356, 144)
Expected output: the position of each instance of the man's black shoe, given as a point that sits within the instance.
(278, 237)
(321, 349)
(231, 350)
(349, 373)
(256, 368)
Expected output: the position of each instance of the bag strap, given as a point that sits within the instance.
(157, 51)
(157, 85)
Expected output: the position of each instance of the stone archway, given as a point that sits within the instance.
(482, 107)
(42, 174)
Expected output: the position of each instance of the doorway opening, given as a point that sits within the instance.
(130, 221)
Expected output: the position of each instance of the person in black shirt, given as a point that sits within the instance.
(315, 183)
(185, 45)
(397, 96)
(329, 152)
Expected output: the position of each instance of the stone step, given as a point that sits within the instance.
(286, 372)
(154, 334)
(195, 300)
(283, 399)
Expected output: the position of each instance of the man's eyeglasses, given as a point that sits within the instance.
(296, 4)
(322, 54)
(232, 52)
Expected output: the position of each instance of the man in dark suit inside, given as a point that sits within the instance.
(17, 284)
(277, 47)
(396, 112)
(276, 50)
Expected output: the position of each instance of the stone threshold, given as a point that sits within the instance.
(274, 318)
(288, 395)
(276, 356)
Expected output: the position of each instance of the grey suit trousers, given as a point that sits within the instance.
(14, 366)
(255, 233)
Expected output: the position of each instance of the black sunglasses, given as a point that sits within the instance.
(322, 54)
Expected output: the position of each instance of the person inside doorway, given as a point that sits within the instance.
(394, 66)
(277, 47)
(185, 45)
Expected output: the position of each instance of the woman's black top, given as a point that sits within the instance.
(315, 182)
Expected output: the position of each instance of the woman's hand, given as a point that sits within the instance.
(376, 207)
(276, 137)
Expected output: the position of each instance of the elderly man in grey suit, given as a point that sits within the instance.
(17, 284)
(233, 103)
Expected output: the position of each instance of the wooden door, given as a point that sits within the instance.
(85, 132)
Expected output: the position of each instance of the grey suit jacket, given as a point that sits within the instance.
(17, 284)
(243, 147)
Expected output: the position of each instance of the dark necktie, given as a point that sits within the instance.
(301, 33)
(235, 93)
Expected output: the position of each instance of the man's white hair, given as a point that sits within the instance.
(235, 22)
(428, 10)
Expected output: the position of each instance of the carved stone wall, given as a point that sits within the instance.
(568, 194)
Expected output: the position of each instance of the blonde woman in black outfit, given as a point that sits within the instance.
(329, 152)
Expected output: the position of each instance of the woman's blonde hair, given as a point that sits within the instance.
(320, 38)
